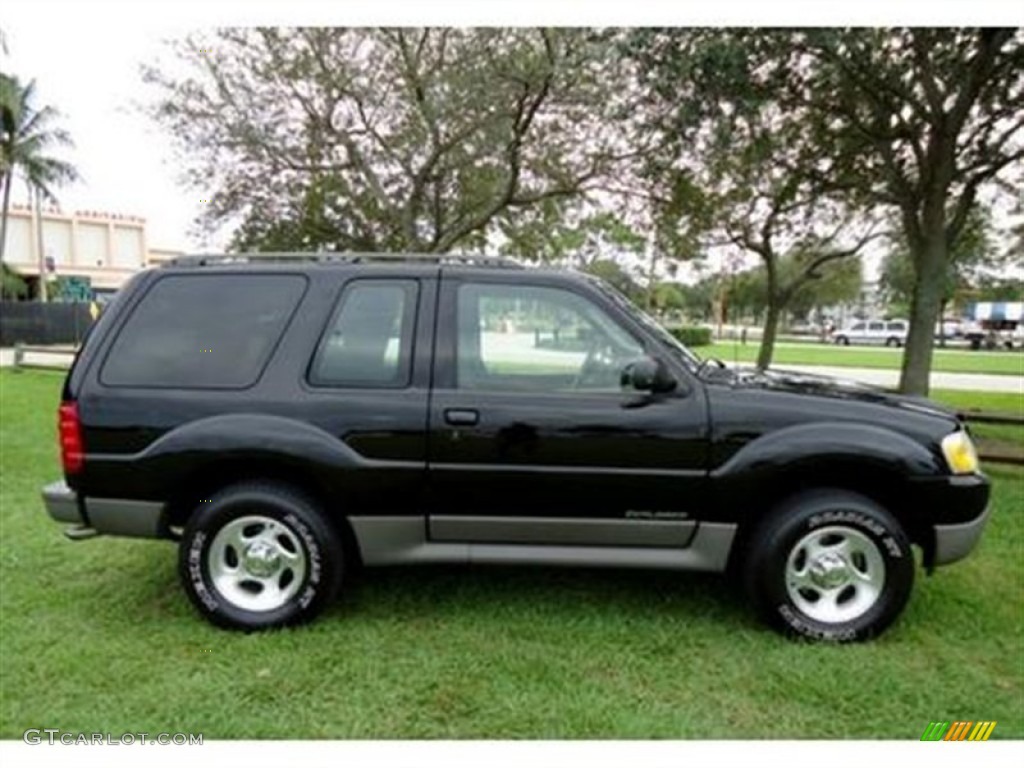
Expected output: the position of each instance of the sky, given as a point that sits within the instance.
(85, 57)
(93, 79)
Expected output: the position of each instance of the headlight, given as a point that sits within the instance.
(960, 453)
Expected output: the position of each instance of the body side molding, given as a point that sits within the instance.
(403, 541)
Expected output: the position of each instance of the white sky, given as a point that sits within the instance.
(85, 58)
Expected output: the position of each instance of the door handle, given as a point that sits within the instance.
(461, 417)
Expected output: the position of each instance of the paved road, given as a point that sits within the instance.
(939, 380)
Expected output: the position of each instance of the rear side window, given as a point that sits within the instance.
(203, 331)
(368, 342)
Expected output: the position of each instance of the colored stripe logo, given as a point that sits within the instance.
(960, 730)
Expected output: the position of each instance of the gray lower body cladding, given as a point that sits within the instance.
(117, 517)
(405, 541)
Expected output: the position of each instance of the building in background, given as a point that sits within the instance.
(98, 248)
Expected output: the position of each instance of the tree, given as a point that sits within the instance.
(973, 252)
(615, 275)
(918, 121)
(990, 288)
(27, 134)
(557, 233)
(386, 139)
(12, 285)
(740, 158)
(840, 282)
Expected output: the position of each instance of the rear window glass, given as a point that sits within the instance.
(203, 331)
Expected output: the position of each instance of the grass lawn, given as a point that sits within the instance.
(97, 635)
(812, 353)
(1009, 436)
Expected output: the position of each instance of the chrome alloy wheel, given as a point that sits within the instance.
(256, 563)
(835, 574)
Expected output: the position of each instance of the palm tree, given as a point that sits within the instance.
(26, 136)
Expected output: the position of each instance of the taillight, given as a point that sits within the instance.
(72, 449)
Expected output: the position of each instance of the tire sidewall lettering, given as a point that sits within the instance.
(802, 627)
(196, 550)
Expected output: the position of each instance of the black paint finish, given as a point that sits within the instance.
(722, 446)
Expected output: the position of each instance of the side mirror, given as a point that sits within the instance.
(648, 375)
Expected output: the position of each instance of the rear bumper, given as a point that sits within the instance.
(90, 516)
(62, 503)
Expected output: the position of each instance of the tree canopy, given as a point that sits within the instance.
(387, 139)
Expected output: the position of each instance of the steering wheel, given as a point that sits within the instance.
(594, 364)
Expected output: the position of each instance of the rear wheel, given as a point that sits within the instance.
(892, 341)
(842, 341)
(830, 565)
(258, 556)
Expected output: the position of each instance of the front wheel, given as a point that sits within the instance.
(260, 555)
(830, 565)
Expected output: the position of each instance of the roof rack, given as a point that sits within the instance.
(251, 257)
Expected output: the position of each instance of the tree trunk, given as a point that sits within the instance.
(3, 216)
(925, 303)
(771, 326)
(942, 322)
(42, 252)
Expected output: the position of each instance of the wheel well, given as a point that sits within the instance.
(886, 487)
(210, 478)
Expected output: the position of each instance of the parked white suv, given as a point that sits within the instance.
(891, 333)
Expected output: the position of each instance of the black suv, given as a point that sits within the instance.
(288, 418)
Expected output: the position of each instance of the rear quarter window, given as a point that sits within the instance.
(368, 342)
(203, 331)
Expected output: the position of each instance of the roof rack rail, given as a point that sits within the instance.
(251, 257)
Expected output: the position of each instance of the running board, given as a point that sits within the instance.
(403, 541)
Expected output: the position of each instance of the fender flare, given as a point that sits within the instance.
(765, 466)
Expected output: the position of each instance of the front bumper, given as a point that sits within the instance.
(954, 542)
(955, 509)
(93, 516)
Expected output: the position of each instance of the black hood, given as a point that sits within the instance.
(797, 382)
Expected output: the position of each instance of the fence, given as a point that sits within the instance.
(30, 322)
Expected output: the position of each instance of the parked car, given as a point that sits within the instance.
(891, 333)
(286, 422)
(989, 334)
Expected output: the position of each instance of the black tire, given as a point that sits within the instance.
(842, 341)
(892, 341)
(302, 534)
(828, 513)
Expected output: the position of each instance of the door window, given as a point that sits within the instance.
(538, 339)
(877, 327)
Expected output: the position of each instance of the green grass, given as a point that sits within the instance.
(1010, 403)
(811, 353)
(97, 635)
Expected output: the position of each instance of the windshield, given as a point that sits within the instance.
(690, 360)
